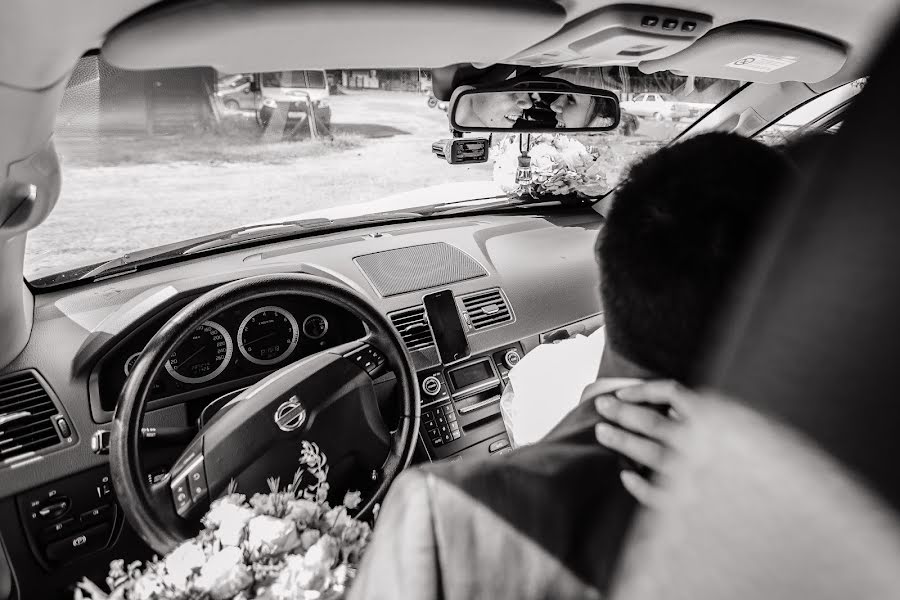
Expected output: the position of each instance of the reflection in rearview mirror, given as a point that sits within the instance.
(534, 111)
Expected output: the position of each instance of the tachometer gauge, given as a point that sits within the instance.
(315, 326)
(203, 356)
(268, 335)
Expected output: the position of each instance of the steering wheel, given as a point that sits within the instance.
(328, 398)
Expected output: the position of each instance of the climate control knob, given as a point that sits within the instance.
(431, 385)
(511, 358)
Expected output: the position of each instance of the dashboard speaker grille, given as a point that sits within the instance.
(413, 327)
(486, 308)
(25, 416)
(415, 268)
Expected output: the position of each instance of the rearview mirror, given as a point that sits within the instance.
(547, 105)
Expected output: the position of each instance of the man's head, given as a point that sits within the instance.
(675, 243)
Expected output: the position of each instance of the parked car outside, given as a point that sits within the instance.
(236, 93)
(287, 93)
(657, 106)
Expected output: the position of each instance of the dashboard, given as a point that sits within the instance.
(508, 283)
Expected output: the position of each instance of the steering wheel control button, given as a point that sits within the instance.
(431, 385)
(511, 358)
(196, 480)
(368, 358)
(182, 496)
(498, 445)
(78, 544)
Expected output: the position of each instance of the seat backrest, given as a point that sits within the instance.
(816, 339)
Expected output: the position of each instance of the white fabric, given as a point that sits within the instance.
(547, 384)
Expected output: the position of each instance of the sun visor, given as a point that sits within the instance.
(238, 36)
(756, 52)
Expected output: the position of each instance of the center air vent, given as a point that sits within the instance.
(26, 409)
(486, 309)
(413, 327)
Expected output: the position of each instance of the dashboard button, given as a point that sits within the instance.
(431, 385)
(63, 427)
(79, 544)
(511, 358)
(54, 509)
(498, 445)
(96, 515)
(58, 529)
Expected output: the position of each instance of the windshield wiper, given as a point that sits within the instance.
(132, 261)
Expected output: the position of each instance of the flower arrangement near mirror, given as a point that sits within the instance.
(561, 167)
(289, 544)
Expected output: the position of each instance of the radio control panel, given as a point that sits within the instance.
(461, 404)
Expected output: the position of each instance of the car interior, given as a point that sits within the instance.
(132, 394)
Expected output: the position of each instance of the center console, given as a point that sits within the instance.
(461, 405)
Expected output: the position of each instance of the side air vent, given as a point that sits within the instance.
(413, 327)
(486, 309)
(25, 416)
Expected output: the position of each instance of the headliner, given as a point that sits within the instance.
(40, 40)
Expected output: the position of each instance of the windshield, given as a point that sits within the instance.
(151, 158)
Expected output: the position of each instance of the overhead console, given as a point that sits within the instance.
(618, 35)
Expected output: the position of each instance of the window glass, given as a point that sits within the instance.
(801, 118)
(158, 157)
(315, 79)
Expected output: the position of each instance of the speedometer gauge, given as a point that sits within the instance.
(202, 356)
(268, 335)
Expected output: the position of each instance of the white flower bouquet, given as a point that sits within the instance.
(560, 166)
(289, 544)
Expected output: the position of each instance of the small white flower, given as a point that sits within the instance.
(225, 574)
(323, 553)
(269, 535)
(352, 500)
(181, 562)
(147, 587)
(308, 538)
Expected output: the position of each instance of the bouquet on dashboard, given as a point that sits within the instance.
(289, 544)
(560, 166)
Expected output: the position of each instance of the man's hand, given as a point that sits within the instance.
(644, 423)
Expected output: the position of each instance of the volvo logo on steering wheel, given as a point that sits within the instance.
(290, 415)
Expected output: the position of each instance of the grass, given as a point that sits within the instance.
(230, 146)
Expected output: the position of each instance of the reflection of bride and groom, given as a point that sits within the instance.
(724, 498)
(532, 110)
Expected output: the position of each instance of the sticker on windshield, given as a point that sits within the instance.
(762, 63)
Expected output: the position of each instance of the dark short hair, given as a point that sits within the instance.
(679, 231)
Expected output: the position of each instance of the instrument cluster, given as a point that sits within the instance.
(254, 338)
